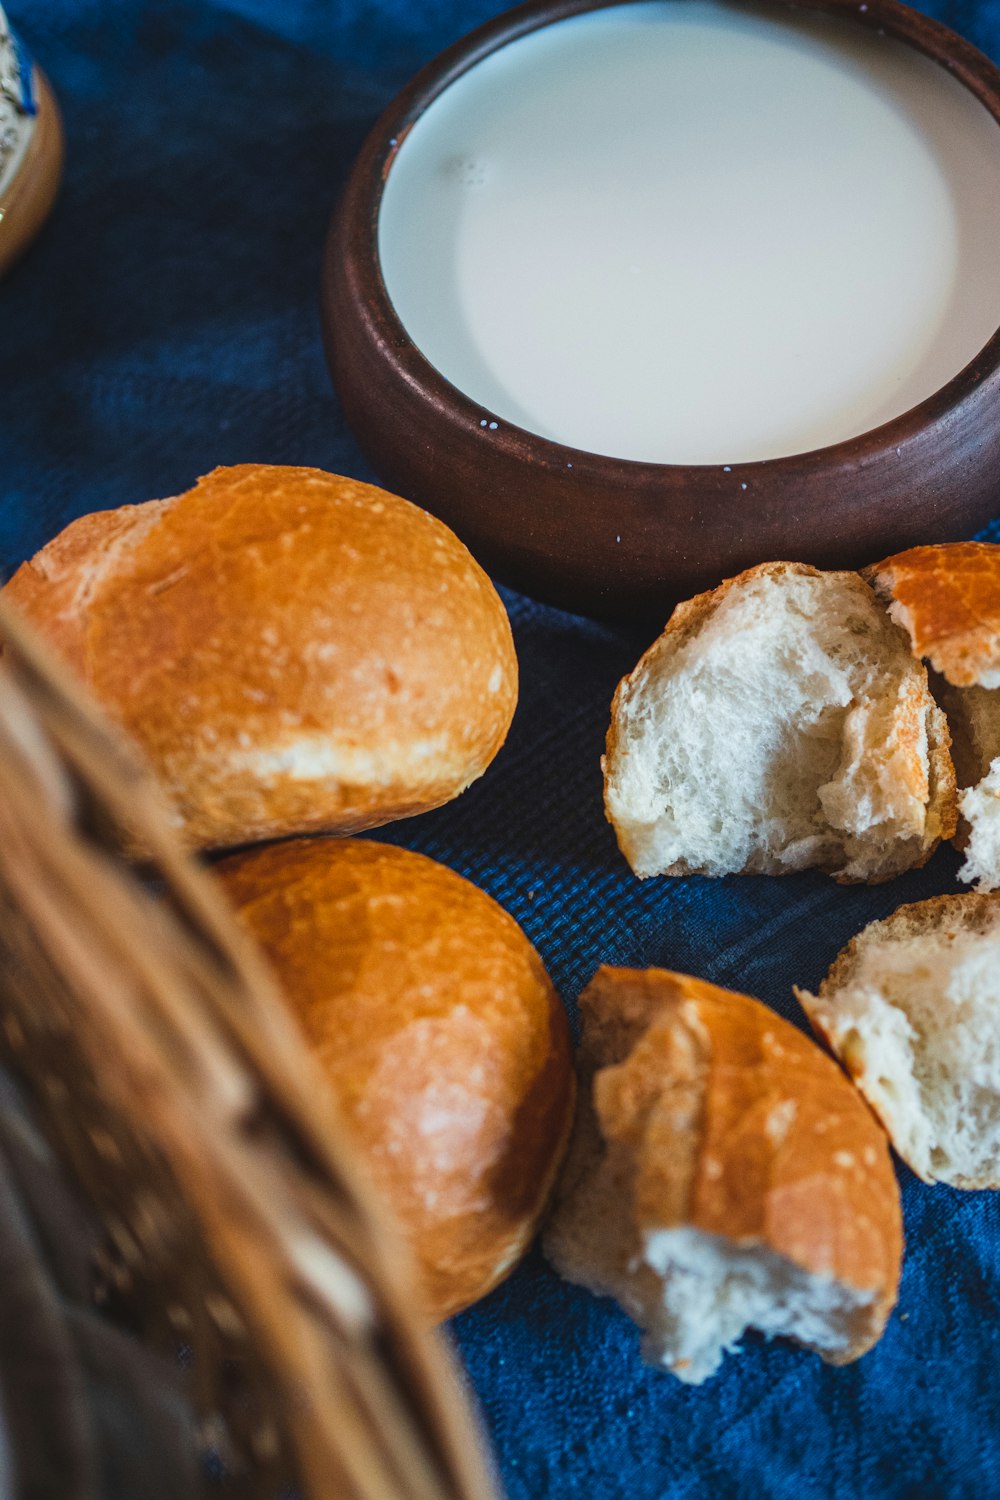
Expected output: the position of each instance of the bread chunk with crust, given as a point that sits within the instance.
(912, 1009)
(723, 1175)
(947, 598)
(779, 722)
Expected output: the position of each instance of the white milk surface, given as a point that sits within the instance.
(690, 232)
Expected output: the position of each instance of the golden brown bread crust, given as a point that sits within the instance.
(292, 650)
(441, 1034)
(937, 786)
(947, 597)
(713, 1112)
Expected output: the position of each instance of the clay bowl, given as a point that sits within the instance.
(26, 200)
(621, 539)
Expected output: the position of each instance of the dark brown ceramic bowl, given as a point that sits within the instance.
(611, 537)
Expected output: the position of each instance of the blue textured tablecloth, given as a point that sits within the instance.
(167, 322)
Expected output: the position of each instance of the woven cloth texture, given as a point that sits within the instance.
(167, 322)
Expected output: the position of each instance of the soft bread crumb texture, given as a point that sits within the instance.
(292, 650)
(947, 598)
(723, 1175)
(717, 1290)
(445, 1044)
(912, 1008)
(779, 722)
(980, 807)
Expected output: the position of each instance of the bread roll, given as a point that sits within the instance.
(723, 1175)
(440, 1032)
(293, 651)
(779, 722)
(947, 598)
(912, 1009)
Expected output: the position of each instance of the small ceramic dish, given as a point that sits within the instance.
(31, 148)
(619, 538)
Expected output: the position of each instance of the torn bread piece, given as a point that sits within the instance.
(779, 722)
(947, 598)
(912, 1009)
(723, 1175)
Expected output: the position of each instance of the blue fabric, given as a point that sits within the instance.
(167, 322)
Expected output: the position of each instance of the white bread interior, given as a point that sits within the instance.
(695, 1294)
(980, 808)
(779, 722)
(912, 1008)
(712, 1291)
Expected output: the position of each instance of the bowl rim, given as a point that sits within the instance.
(362, 202)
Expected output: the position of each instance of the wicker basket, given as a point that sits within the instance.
(235, 1226)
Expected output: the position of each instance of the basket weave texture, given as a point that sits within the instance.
(179, 1096)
